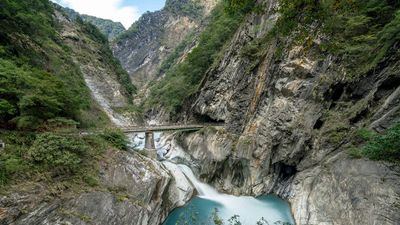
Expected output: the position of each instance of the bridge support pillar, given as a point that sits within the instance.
(149, 144)
(149, 141)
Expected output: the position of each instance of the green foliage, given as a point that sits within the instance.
(91, 180)
(59, 124)
(374, 146)
(22, 19)
(189, 8)
(66, 156)
(235, 6)
(116, 138)
(361, 31)
(62, 154)
(12, 158)
(29, 95)
(172, 59)
(216, 218)
(109, 28)
(39, 81)
(184, 79)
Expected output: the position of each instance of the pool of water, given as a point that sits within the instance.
(250, 210)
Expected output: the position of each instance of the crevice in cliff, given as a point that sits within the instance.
(334, 93)
(387, 87)
(361, 115)
(202, 118)
(318, 124)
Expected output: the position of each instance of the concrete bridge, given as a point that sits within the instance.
(149, 131)
(160, 128)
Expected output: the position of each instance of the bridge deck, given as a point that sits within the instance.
(165, 128)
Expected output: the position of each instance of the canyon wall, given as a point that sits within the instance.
(290, 114)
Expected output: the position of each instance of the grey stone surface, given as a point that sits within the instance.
(289, 119)
(135, 190)
(154, 37)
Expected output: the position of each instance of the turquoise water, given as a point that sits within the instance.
(250, 210)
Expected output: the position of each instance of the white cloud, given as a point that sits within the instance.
(106, 9)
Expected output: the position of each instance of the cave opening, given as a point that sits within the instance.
(284, 171)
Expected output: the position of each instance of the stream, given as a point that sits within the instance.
(199, 209)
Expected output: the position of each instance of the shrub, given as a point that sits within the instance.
(373, 146)
(116, 138)
(385, 146)
(187, 8)
(362, 32)
(28, 155)
(59, 124)
(61, 154)
(9, 166)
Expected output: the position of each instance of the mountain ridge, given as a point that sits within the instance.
(109, 28)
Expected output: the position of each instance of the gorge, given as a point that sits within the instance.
(298, 102)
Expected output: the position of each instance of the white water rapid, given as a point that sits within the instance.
(204, 190)
(249, 209)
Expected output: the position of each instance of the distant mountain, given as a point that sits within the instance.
(109, 28)
(144, 47)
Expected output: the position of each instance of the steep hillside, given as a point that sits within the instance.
(57, 75)
(108, 81)
(39, 81)
(109, 28)
(150, 40)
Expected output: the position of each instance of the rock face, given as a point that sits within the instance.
(133, 190)
(289, 119)
(99, 73)
(149, 41)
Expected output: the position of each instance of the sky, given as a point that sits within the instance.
(124, 11)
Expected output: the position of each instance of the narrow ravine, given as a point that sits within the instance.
(208, 201)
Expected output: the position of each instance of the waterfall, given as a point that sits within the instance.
(249, 208)
(203, 189)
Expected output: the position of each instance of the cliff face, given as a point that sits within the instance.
(102, 73)
(143, 47)
(133, 190)
(290, 115)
